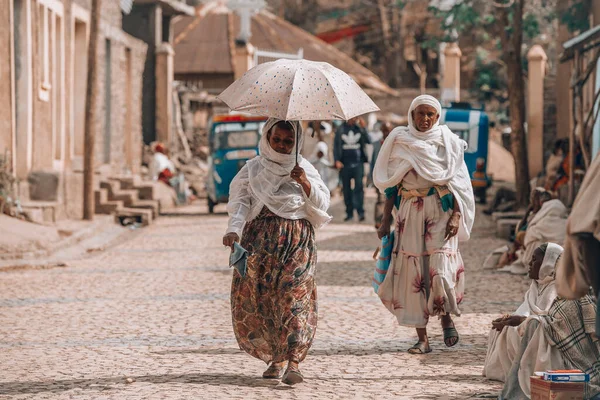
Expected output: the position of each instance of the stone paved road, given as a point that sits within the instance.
(150, 319)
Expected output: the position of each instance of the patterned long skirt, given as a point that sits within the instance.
(426, 276)
(274, 307)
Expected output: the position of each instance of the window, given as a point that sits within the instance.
(238, 135)
(242, 139)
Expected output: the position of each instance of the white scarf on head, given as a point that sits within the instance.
(407, 148)
(542, 292)
(270, 182)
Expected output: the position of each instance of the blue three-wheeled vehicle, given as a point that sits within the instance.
(233, 140)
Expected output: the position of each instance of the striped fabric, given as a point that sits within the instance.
(383, 261)
(570, 327)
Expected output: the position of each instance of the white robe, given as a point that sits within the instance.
(265, 182)
(539, 355)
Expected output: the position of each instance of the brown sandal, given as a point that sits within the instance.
(274, 371)
(292, 375)
(420, 348)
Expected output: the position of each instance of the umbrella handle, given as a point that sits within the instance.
(297, 143)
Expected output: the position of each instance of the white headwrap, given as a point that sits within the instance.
(436, 155)
(266, 181)
(542, 292)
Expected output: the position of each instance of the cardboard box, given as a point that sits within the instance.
(548, 390)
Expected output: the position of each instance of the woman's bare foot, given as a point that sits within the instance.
(274, 371)
(292, 375)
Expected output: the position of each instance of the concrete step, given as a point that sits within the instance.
(109, 207)
(152, 205)
(41, 212)
(110, 185)
(138, 215)
(125, 182)
(508, 214)
(505, 228)
(145, 191)
(100, 196)
(128, 197)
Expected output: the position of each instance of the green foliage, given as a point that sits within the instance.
(531, 26)
(489, 82)
(576, 17)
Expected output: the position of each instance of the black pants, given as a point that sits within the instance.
(353, 198)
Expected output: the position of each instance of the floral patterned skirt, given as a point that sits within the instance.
(274, 307)
(426, 275)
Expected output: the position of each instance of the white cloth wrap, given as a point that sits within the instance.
(407, 148)
(547, 225)
(539, 355)
(542, 292)
(265, 182)
(160, 162)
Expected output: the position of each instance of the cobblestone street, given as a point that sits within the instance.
(150, 319)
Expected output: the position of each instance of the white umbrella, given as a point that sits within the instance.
(294, 90)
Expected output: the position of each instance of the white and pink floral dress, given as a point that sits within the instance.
(426, 275)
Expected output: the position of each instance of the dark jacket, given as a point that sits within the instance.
(344, 129)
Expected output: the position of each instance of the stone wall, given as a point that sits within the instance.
(125, 108)
(126, 77)
(5, 79)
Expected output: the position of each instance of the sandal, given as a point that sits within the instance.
(450, 333)
(420, 348)
(273, 372)
(292, 375)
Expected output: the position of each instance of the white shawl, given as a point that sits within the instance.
(542, 292)
(436, 155)
(265, 182)
(547, 225)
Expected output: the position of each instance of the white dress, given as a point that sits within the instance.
(426, 275)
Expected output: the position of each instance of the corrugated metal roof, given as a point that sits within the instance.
(205, 49)
(202, 46)
(126, 6)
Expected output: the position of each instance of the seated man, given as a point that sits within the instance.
(546, 222)
(546, 332)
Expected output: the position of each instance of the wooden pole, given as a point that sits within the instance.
(576, 93)
(91, 114)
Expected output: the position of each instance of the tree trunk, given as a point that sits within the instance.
(511, 43)
(91, 114)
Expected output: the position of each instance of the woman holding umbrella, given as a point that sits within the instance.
(276, 202)
(422, 170)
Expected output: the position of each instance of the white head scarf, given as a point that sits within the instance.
(270, 181)
(436, 155)
(548, 268)
(542, 292)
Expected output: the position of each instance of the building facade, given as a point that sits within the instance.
(151, 21)
(43, 83)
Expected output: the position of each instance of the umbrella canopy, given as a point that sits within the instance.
(294, 90)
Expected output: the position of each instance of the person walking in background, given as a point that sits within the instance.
(275, 205)
(324, 167)
(386, 128)
(349, 149)
(481, 181)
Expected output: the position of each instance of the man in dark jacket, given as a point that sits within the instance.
(349, 150)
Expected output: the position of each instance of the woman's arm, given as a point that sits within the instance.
(315, 190)
(386, 221)
(453, 222)
(240, 202)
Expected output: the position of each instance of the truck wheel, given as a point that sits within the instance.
(211, 206)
